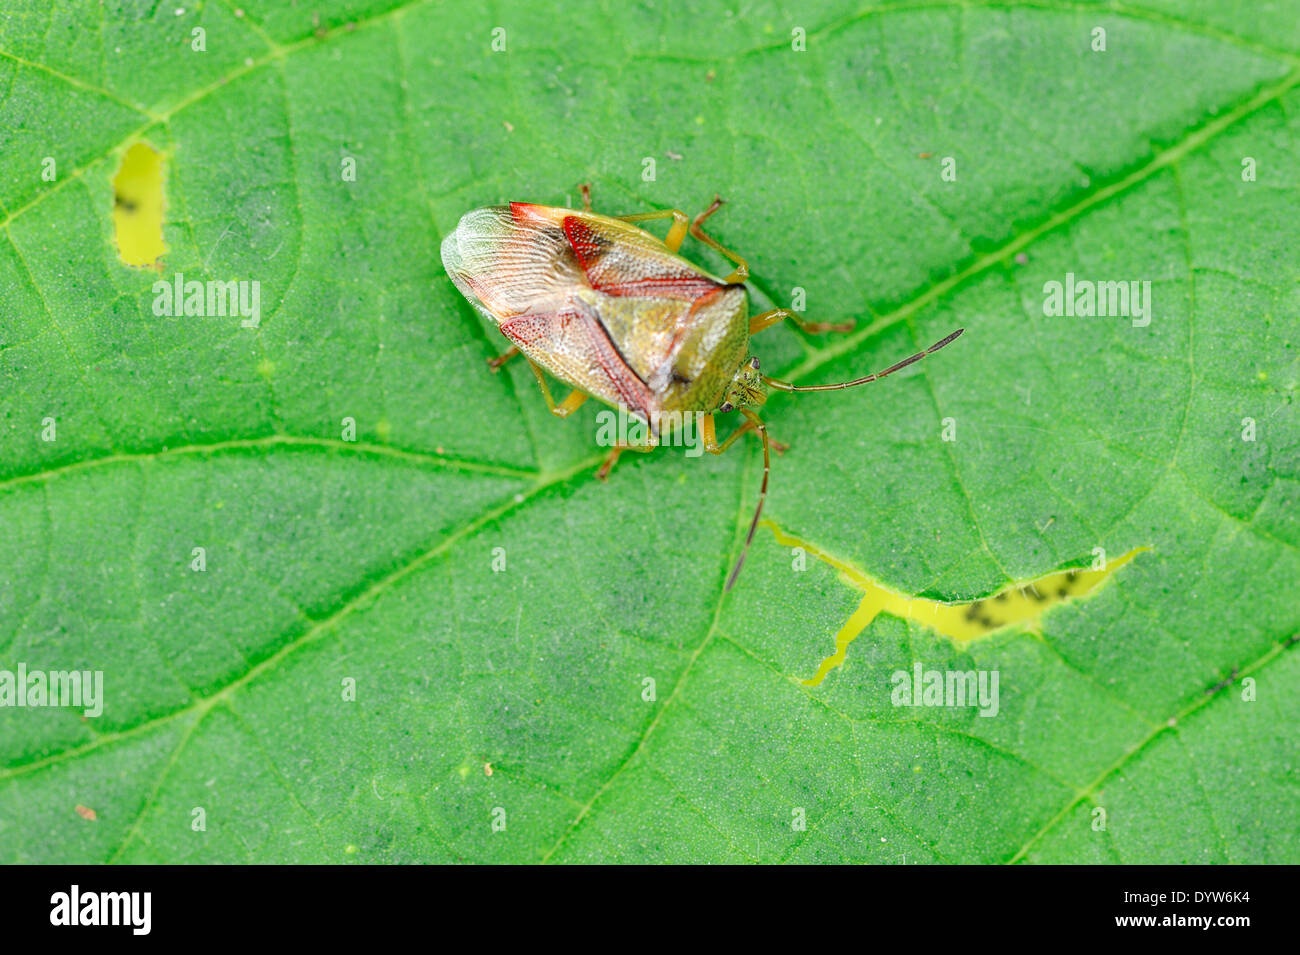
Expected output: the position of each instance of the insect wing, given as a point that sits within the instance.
(507, 261)
(573, 345)
(621, 260)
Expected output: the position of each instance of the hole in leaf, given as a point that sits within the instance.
(138, 207)
(1021, 602)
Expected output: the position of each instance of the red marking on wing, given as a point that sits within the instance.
(687, 288)
(586, 244)
(611, 271)
(530, 212)
(528, 330)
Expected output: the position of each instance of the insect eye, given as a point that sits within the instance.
(753, 363)
(726, 406)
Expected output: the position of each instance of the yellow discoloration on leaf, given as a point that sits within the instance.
(138, 207)
(1022, 602)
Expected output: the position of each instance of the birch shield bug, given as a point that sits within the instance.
(615, 313)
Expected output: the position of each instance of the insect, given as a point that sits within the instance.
(617, 314)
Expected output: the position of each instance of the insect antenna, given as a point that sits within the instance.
(786, 386)
(762, 496)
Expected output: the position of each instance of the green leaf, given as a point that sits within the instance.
(1167, 698)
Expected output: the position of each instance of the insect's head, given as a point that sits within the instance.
(746, 388)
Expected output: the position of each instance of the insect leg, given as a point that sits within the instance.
(676, 234)
(565, 407)
(612, 458)
(501, 359)
(585, 189)
(759, 322)
(742, 270)
(711, 437)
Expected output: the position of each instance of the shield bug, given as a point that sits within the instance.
(615, 313)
